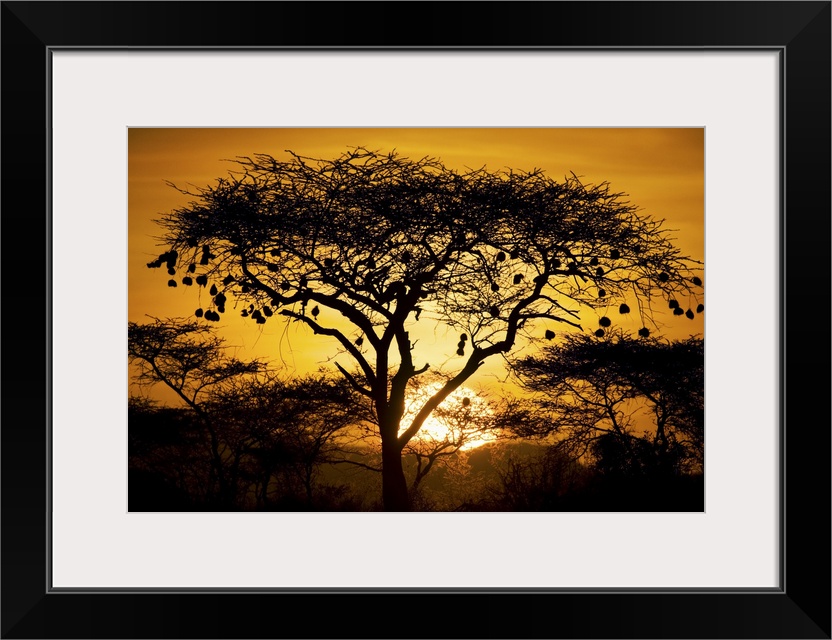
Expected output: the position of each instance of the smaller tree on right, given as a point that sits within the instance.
(632, 407)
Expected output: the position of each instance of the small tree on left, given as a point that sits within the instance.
(261, 439)
(189, 359)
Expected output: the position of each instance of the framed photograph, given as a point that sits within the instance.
(683, 149)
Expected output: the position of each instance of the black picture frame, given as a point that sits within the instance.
(799, 31)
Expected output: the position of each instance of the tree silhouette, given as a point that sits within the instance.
(286, 430)
(362, 246)
(543, 480)
(591, 390)
(189, 359)
(257, 433)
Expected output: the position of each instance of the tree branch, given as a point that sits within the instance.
(345, 342)
(353, 382)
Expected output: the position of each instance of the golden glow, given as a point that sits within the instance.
(461, 420)
(661, 170)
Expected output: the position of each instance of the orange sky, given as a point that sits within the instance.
(660, 170)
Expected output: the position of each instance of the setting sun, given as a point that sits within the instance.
(461, 421)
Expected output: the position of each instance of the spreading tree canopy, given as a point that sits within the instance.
(587, 384)
(381, 241)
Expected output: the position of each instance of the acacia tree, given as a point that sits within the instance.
(191, 361)
(259, 429)
(591, 389)
(383, 241)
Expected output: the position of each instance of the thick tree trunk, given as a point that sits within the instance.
(394, 485)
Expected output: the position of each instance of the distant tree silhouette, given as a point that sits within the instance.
(189, 359)
(286, 429)
(363, 246)
(263, 435)
(546, 479)
(591, 389)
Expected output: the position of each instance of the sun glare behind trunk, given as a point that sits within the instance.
(462, 420)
